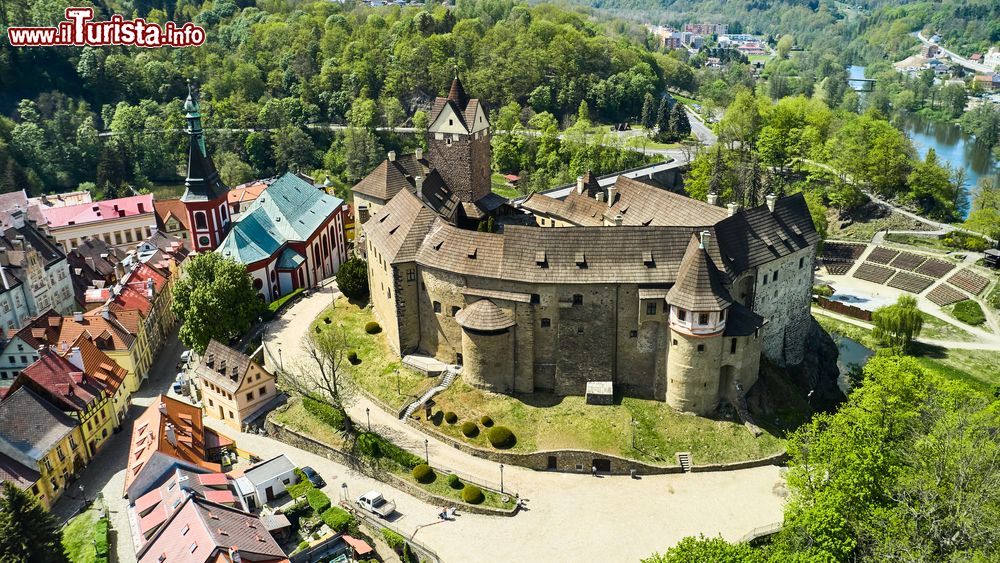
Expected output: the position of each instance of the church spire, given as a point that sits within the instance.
(202, 182)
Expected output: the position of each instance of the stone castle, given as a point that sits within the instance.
(662, 296)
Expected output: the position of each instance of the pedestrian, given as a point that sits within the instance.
(593, 470)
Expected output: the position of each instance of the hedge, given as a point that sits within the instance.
(454, 482)
(370, 444)
(301, 488)
(469, 429)
(472, 494)
(969, 312)
(318, 500)
(337, 518)
(394, 540)
(274, 306)
(372, 327)
(325, 412)
(296, 512)
(450, 417)
(501, 437)
(101, 539)
(423, 473)
(486, 421)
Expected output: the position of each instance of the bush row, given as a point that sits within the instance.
(338, 519)
(101, 540)
(325, 412)
(370, 444)
(318, 500)
(300, 488)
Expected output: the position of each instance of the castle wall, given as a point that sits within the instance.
(384, 290)
(693, 373)
(464, 163)
(785, 303)
(488, 360)
(741, 366)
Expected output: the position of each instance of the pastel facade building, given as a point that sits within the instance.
(119, 222)
(235, 388)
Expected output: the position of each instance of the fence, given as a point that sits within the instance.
(844, 309)
(762, 531)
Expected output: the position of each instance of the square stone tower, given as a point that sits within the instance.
(458, 143)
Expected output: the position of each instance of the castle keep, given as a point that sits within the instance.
(664, 296)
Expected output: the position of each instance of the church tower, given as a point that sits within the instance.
(458, 143)
(204, 196)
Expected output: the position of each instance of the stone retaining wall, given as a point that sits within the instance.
(293, 438)
(581, 461)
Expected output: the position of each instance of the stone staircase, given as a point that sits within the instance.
(684, 460)
(449, 375)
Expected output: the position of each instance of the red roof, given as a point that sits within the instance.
(511, 177)
(60, 382)
(360, 547)
(221, 497)
(99, 365)
(98, 210)
(213, 479)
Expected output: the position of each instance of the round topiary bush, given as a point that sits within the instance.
(454, 482)
(469, 429)
(501, 437)
(486, 421)
(450, 417)
(472, 494)
(352, 357)
(423, 473)
(327, 320)
(437, 418)
(372, 327)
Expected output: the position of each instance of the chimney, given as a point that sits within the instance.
(611, 195)
(419, 153)
(17, 217)
(392, 156)
(733, 208)
(75, 357)
(78, 316)
(705, 236)
(106, 312)
(579, 184)
(149, 288)
(171, 434)
(419, 181)
(713, 198)
(771, 199)
(618, 220)
(599, 196)
(234, 554)
(163, 408)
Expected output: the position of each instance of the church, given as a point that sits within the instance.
(629, 286)
(292, 236)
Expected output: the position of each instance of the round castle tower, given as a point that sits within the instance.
(699, 307)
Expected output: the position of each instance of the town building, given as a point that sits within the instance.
(172, 218)
(146, 290)
(63, 383)
(992, 59)
(235, 388)
(204, 196)
(240, 197)
(34, 272)
(89, 359)
(176, 430)
(202, 531)
(20, 347)
(265, 482)
(929, 50)
(41, 448)
(150, 511)
(987, 82)
(95, 268)
(707, 28)
(660, 295)
(290, 237)
(120, 334)
(119, 222)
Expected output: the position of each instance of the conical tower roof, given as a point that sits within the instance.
(699, 283)
(202, 182)
(457, 94)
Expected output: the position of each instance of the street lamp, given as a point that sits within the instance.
(427, 455)
(633, 432)
(281, 363)
(369, 416)
(398, 392)
(501, 478)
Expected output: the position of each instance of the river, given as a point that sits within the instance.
(947, 139)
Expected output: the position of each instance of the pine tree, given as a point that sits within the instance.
(663, 119)
(648, 111)
(680, 127)
(28, 533)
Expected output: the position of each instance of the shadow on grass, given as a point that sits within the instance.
(924, 350)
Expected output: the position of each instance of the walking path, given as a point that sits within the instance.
(570, 517)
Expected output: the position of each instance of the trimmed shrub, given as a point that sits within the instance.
(822, 290)
(318, 500)
(352, 357)
(325, 412)
(352, 278)
(101, 539)
(437, 418)
(501, 437)
(454, 482)
(394, 540)
(450, 417)
(469, 429)
(486, 421)
(337, 518)
(423, 473)
(299, 489)
(302, 545)
(472, 494)
(370, 444)
(969, 312)
(372, 327)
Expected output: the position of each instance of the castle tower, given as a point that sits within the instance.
(458, 143)
(699, 304)
(204, 196)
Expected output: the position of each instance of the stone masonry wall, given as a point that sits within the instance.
(785, 303)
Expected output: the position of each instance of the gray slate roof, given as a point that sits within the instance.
(269, 469)
(223, 366)
(484, 315)
(699, 285)
(398, 228)
(30, 426)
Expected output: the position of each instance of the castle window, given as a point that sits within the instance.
(411, 275)
(701, 347)
(682, 314)
(732, 346)
(577, 299)
(633, 333)
(774, 276)
(546, 323)
(448, 141)
(579, 330)
(437, 306)
(675, 342)
(802, 262)
(535, 299)
(451, 122)
(765, 278)
(703, 318)
(651, 308)
(455, 310)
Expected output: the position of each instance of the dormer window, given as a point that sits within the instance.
(682, 314)
(703, 318)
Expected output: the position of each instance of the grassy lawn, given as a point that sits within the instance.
(864, 231)
(78, 537)
(296, 417)
(500, 187)
(930, 242)
(167, 191)
(941, 330)
(376, 371)
(546, 422)
(440, 487)
(642, 141)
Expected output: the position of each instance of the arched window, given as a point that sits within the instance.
(200, 221)
(326, 247)
(257, 284)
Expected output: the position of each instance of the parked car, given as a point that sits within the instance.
(314, 477)
(373, 502)
(186, 356)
